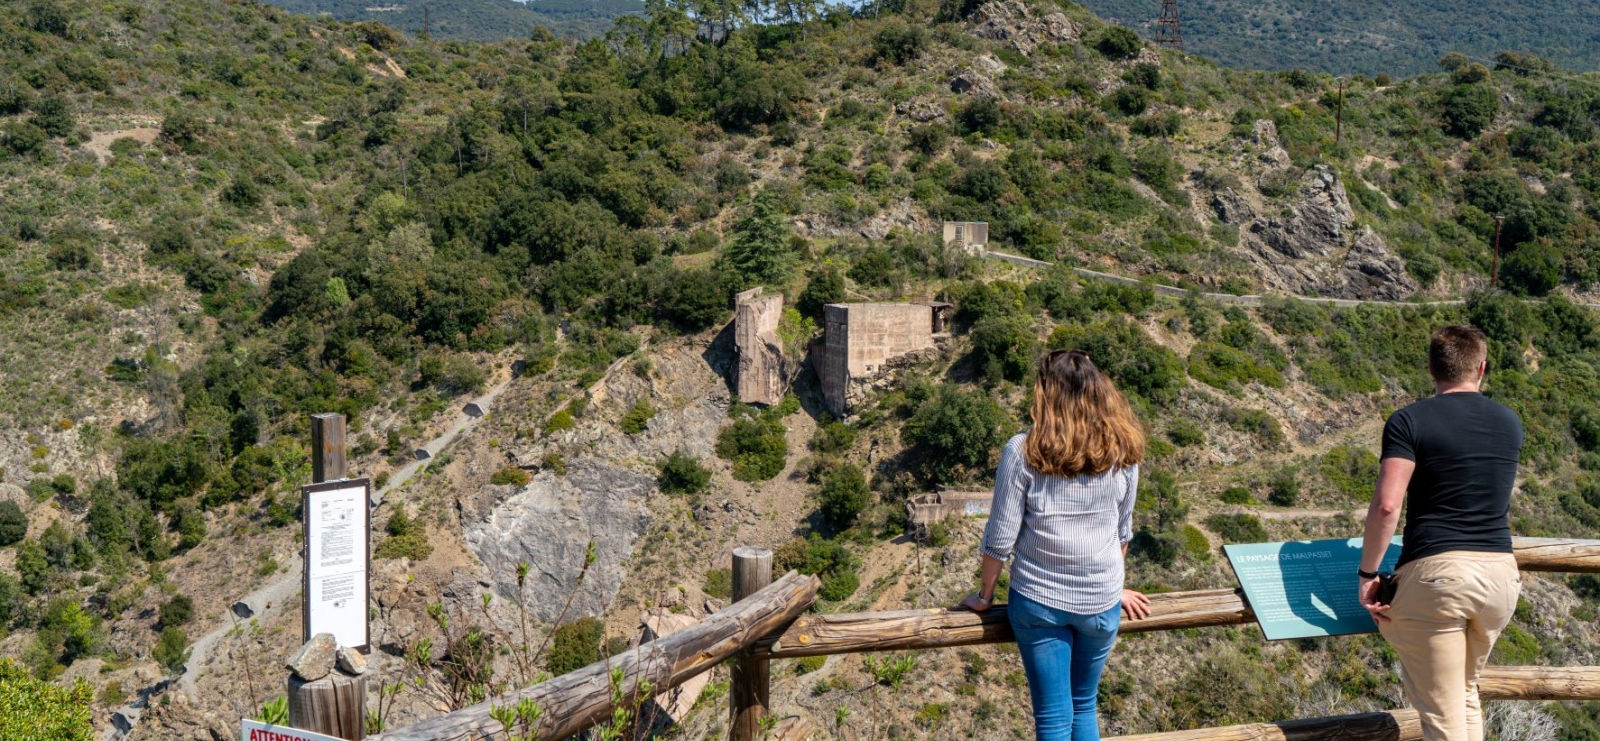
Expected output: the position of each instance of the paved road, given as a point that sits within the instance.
(268, 600)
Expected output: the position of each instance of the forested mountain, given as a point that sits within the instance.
(477, 20)
(220, 218)
(1372, 38)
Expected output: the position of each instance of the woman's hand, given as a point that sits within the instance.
(975, 604)
(1135, 604)
(1367, 594)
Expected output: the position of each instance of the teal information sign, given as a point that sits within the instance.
(1305, 588)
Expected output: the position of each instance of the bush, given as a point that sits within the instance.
(1350, 470)
(637, 418)
(1238, 528)
(1284, 489)
(956, 432)
(1469, 109)
(1227, 368)
(452, 375)
(1184, 432)
(177, 611)
(510, 476)
(824, 286)
(1140, 367)
(32, 710)
(756, 445)
(1129, 100)
(1004, 348)
(575, 645)
(1533, 269)
(1119, 42)
(13, 524)
(829, 560)
(682, 474)
(23, 138)
(834, 437)
(1256, 422)
(809, 664)
(900, 42)
(719, 584)
(1195, 543)
(408, 538)
(1227, 689)
(844, 495)
(1236, 495)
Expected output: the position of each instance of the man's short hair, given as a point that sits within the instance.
(1455, 352)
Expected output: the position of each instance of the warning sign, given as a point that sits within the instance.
(254, 730)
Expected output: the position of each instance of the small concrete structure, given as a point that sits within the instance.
(927, 509)
(673, 705)
(760, 375)
(861, 341)
(970, 236)
(474, 410)
(422, 454)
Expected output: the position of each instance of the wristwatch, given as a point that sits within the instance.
(985, 602)
(1366, 574)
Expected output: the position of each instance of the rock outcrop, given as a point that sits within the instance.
(1012, 21)
(549, 523)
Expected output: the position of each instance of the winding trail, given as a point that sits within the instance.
(269, 599)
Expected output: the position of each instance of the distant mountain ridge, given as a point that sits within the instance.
(477, 20)
(1378, 37)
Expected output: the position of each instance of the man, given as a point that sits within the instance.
(1452, 458)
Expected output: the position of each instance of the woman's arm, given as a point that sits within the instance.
(984, 599)
(1011, 483)
(1135, 603)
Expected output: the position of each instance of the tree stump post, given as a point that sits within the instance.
(751, 680)
(335, 705)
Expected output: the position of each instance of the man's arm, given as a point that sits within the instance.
(1383, 515)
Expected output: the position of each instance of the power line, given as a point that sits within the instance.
(1169, 31)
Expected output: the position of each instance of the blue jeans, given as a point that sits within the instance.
(1063, 655)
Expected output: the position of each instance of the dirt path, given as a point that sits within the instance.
(269, 599)
(100, 144)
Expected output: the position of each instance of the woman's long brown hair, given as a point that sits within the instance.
(1082, 425)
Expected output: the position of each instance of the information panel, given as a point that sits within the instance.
(338, 539)
(1305, 588)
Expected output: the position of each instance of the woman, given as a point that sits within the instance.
(1063, 507)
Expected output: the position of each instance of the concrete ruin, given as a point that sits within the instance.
(971, 237)
(927, 509)
(861, 342)
(760, 375)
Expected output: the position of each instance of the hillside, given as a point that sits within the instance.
(478, 20)
(221, 218)
(1372, 38)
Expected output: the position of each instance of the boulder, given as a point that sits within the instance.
(1011, 20)
(973, 83)
(350, 661)
(315, 659)
(920, 111)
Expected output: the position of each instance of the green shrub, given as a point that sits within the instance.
(12, 599)
(809, 664)
(575, 645)
(756, 444)
(834, 437)
(1119, 42)
(1468, 109)
(1236, 495)
(510, 475)
(829, 560)
(1256, 422)
(177, 611)
(31, 710)
(13, 524)
(171, 649)
(1227, 368)
(1284, 489)
(1185, 432)
(680, 473)
(1533, 269)
(719, 584)
(1516, 647)
(561, 420)
(844, 495)
(1350, 470)
(637, 417)
(1228, 688)
(956, 432)
(1004, 348)
(1237, 528)
(452, 375)
(900, 42)
(1140, 367)
(408, 538)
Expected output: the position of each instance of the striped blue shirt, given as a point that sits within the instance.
(1066, 533)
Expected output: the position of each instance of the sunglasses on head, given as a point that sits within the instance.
(1057, 353)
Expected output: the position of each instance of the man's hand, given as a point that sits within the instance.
(975, 604)
(1136, 604)
(1365, 592)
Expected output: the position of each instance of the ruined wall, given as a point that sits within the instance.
(760, 376)
(860, 339)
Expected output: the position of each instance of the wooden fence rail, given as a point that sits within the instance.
(1498, 683)
(819, 635)
(576, 701)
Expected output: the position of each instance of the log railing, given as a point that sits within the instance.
(770, 624)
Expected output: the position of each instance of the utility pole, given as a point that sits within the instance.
(1338, 119)
(1494, 272)
(1169, 32)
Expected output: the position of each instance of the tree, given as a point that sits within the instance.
(36, 710)
(825, 286)
(956, 431)
(177, 611)
(1468, 109)
(575, 645)
(13, 524)
(52, 115)
(1119, 42)
(844, 495)
(171, 650)
(1533, 269)
(759, 250)
(680, 473)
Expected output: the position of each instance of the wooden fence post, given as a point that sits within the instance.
(327, 448)
(335, 705)
(751, 680)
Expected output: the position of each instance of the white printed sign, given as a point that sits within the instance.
(254, 730)
(337, 558)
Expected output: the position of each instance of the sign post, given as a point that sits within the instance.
(1301, 589)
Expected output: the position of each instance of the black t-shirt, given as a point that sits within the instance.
(1466, 449)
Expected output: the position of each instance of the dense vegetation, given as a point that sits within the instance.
(1373, 38)
(286, 224)
(478, 20)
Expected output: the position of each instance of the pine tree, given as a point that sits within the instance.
(759, 251)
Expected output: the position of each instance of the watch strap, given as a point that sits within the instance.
(1366, 574)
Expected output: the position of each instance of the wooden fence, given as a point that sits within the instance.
(768, 622)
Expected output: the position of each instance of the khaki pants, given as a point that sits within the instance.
(1447, 613)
